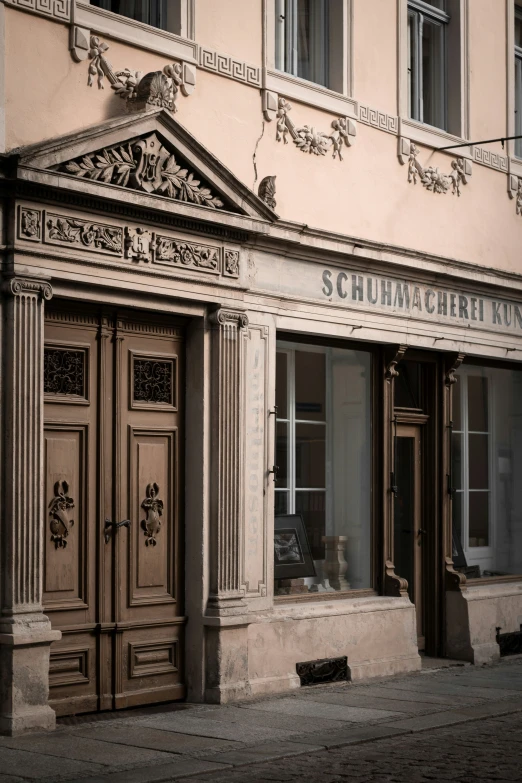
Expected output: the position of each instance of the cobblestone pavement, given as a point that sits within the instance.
(486, 750)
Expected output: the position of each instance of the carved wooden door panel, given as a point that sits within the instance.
(71, 452)
(113, 437)
(148, 595)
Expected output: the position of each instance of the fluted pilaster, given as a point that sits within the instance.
(25, 632)
(226, 478)
(23, 449)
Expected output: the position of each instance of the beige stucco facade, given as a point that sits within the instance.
(359, 213)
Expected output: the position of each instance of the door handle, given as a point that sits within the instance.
(114, 527)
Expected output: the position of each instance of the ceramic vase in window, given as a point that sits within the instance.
(335, 565)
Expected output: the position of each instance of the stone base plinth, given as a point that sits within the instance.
(473, 615)
(25, 643)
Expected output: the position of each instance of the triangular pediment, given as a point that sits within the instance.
(152, 154)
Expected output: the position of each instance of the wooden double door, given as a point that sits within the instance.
(113, 569)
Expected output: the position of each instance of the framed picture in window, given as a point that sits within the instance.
(292, 555)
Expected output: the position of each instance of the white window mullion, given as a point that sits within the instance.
(291, 432)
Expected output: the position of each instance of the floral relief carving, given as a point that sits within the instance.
(519, 197)
(80, 232)
(145, 164)
(153, 507)
(434, 180)
(155, 89)
(173, 251)
(60, 519)
(310, 140)
(30, 223)
(232, 263)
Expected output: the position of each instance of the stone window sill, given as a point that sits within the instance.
(430, 136)
(310, 94)
(321, 597)
(119, 28)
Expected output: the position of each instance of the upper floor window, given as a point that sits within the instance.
(427, 32)
(518, 80)
(153, 12)
(309, 40)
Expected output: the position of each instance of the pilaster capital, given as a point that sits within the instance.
(22, 286)
(223, 316)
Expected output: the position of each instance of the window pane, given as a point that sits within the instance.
(456, 461)
(518, 31)
(310, 455)
(404, 510)
(457, 502)
(153, 12)
(478, 519)
(281, 477)
(312, 505)
(312, 40)
(433, 92)
(310, 386)
(456, 391)
(478, 462)
(281, 503)
(477, 403)
(282, 385)
(408, 385)
(413, 66)
(441, 4)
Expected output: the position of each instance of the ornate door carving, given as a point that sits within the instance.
(113, 573)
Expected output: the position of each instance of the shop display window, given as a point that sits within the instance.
(323, 455)
(486, 461)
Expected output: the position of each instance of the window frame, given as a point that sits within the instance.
(458, 88)
(517, 87)
(162, 41)
(286, 47)
(481, 556)
(337, 97)
(162, 14)
(419, 11)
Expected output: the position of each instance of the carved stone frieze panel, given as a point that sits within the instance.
(30, 224)
(133, 243)
(139, 90)
(98, 237)
(145, 164)
(430, 177)
(231, 268)
(139, 244)
(178, 253)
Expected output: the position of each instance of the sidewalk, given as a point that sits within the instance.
(179, 740)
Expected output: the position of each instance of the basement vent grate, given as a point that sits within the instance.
(509, 643)
(323, 670)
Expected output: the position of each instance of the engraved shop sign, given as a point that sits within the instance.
(390, 295)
